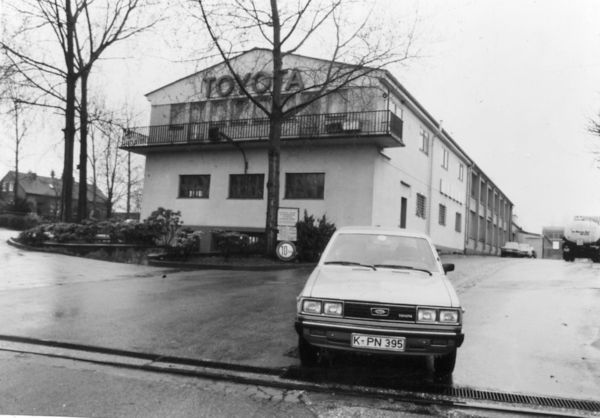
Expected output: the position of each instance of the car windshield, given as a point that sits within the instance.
(382, 251)
(511, 245)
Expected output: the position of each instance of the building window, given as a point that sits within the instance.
(194, 186)
(445, 158)
(241, 109)
(442, 215)
(474, 186)
(11, 186)
(458, 222)
(304, 185)
(246, 186)
(177, 116)
(490, 200)
(481, 229)
(483, 191)
(461, 172)
(472, 225)
(421, 206)
(424, 141)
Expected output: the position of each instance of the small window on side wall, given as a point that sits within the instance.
(194, 186)
(421, 200)
(424, 148)
(304, 185)
(246, 186)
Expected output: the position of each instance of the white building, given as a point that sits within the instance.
(367, 154)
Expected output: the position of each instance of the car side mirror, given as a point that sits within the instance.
(448, 267)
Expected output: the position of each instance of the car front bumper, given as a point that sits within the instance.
(420, 339)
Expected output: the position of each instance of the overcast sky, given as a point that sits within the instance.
(515, 83)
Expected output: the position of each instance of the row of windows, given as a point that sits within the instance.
(445, 163)
(487, 197)
(421, 213)
(251, 186)
(485, 231)
(242, 108)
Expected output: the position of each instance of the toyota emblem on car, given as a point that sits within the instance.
(380, 311)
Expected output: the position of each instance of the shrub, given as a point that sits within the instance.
(34, 236)
(164, 223)
(19, 206)
(19, 222)
(63, 232)
(238, 243)
(129, 232)
(313, 236)
(185, 243)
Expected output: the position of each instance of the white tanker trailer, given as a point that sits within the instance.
(582, 240)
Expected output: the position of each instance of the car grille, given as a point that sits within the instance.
(371, 310)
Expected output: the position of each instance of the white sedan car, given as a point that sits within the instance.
(380, 291)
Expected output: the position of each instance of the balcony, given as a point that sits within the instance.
(381, 128)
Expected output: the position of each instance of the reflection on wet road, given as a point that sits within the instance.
(531, 326)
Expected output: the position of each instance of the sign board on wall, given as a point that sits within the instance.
(287, 218)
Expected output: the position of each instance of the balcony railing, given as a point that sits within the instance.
(327, 125)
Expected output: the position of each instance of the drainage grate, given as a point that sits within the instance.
(391, 386)
(534, 400)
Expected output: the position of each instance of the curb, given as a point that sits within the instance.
(268, 377)
(154, 262)
(200, 266)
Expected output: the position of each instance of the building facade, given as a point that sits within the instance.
(43, 194)
(366, 154)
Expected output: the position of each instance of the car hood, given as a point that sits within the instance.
(383, 285)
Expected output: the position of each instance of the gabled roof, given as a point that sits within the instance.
(33, 184)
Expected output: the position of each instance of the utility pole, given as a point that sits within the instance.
(17, 140)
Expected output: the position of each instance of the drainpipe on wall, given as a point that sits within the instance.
(430, 190)
(430, 206)
(469, 169)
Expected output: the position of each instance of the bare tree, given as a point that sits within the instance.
(120, 173)
(286, 27)
(83, 30)
(12, 95)
(108, 161)
(113, 21)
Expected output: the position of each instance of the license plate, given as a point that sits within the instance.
(579, 242)
(378, 342)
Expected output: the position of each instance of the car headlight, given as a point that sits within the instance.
(311, 306)
(332, 308)
(426, 315)
(449, 316)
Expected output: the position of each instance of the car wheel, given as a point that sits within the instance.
(444, 365)
(309, 355)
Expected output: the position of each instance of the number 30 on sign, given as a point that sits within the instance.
(286, 250)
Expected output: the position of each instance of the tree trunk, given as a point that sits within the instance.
(83, 128)
(274, 138)
(67, 175)
(128, 183)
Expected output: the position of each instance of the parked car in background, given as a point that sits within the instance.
(526, 250)
(511, 249)
(380, 291)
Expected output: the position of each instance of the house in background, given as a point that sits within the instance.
(43, 194)
(367, 154)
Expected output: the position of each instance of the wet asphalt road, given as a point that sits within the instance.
(531, 325)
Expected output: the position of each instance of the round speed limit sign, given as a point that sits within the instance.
(286, 250)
